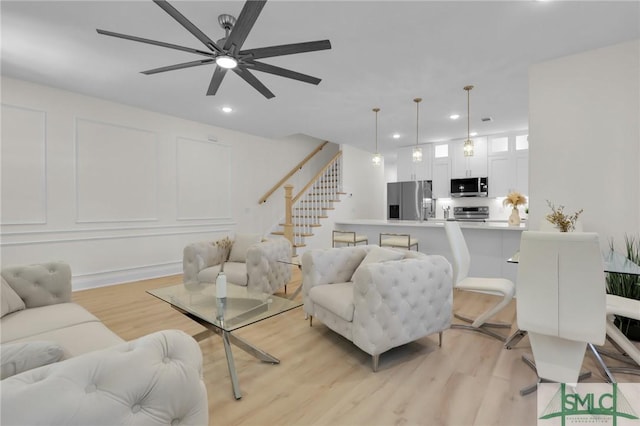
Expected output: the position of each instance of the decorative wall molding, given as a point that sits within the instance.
(203, 179)
(24, 188)
(116, 168)
(112, 236)
(106, 278)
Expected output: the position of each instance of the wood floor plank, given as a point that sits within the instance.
(323, 379)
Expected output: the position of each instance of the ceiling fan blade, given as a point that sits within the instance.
(154, 42)
(216, 80)
(188, 25)
(253, 81)
(179, 66)
(287, 49)
(283, 72)
(243, 25)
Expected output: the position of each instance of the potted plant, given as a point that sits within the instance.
(560, 219)
(514, 199)
(627, 285)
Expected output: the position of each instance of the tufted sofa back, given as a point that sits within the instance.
(154, 380)
(40, 285)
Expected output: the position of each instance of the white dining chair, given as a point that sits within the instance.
(628, 352)
(561, 301)
(497, 286)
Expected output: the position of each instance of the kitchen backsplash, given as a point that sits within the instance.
(496, 210)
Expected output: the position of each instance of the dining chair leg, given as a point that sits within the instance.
(514, 339)
(374, 362)
(532, 388)
(440, 339)
(310, 320)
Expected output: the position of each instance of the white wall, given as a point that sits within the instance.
(118, 191)
(584, 139)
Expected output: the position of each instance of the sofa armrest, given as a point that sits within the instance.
(40, 284)
(265, 270)
(154, 380)
(401, 301)
(201, 255)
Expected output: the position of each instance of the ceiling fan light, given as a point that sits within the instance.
(225, 61)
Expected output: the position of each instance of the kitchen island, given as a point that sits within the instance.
(490, 243)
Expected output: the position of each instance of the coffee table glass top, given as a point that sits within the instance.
(241, 307)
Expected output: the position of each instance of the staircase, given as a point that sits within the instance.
(312, 203)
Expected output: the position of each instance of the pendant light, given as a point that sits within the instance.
(468, 144)
(417, 151)
(377, 158)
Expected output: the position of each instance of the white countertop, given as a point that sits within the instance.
(434, 223)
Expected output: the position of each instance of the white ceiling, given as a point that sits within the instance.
(384, 54)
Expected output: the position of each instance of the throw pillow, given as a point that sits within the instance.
(377, 255)
(241, 244)
(23, 356)
(11, 302)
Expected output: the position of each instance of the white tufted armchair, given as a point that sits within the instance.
(259, 267)
(154, 380)
(379, 305)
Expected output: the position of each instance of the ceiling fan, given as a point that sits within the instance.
(226, 53)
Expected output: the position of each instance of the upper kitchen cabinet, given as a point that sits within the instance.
(474, 166)
(408, 170)
(508, 164)
(441, 171)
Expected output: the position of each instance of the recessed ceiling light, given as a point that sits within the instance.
(473, 134)
(227, 109)
(454, 116)
(396, 136)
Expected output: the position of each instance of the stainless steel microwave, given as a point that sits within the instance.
(469, 187)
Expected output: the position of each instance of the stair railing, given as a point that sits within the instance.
(302, 213)
(293, 171)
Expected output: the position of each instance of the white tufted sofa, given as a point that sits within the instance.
(100, 379)
(387, 304)
(261, 271)
(154, 380)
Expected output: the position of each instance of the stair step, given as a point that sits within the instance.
(304, 234)
(318, 217)
(299, 245)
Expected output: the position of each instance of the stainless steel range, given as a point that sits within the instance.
(471, 213)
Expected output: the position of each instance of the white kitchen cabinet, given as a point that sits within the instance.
(407, 170)
(441, 178)
(508, 165)
(474, 166)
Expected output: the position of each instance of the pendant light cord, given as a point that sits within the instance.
(417, 101)
(376, 110)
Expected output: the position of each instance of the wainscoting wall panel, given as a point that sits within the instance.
(102, 256)
(198, 165)
(24, 166)
(118, 192)
(116, 173)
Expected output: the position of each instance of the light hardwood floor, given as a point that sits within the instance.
(323, 379)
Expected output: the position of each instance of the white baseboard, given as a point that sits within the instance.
(107, 278)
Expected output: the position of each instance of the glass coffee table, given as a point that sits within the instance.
(239, 309)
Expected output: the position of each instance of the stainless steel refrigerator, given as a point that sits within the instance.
(406, 200)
